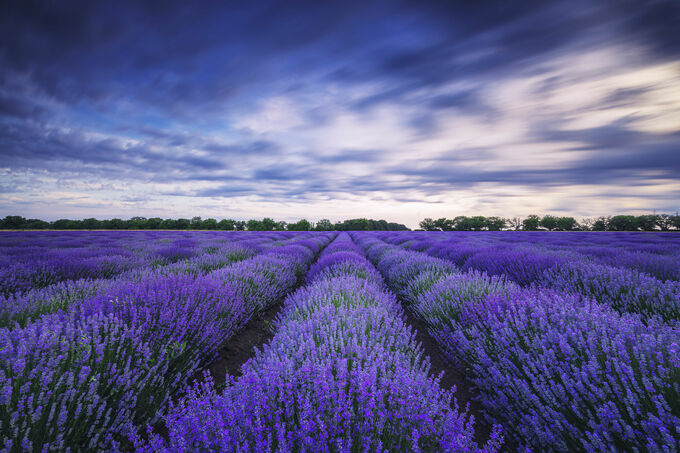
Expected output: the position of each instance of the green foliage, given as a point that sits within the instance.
(549, 222)
(600, 224)
(301, 225)
(495, 223)
(428, 225)
(266, 224)
(209, 224)
(622, 223)
(567, 224)
(369, 224)
(323, 225)
(675, 221)
(444, 224)
(646, 222)
(531, 223)
(225, 224)
(664, 222)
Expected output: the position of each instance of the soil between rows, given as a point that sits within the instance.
(241, 347)
(464, 393)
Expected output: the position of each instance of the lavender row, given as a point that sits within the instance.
(84, 378)
(342, 373)
(211, 253)
(559, 372)
(49, 259)
(655, 255)
(623, 289)
(664, 244)
(20, 309)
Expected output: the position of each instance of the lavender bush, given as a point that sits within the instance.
(342, 373)
(560, 371)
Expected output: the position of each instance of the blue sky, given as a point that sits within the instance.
(395, 110)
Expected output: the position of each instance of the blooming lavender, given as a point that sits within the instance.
(342, 373)
(85, 376)
(560, 371)
(569, 340)
(625, 290)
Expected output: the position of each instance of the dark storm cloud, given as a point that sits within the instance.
(615, 147)
(18, 107)
(179, 55)
(29, 146)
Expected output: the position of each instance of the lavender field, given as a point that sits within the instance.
(556, 341)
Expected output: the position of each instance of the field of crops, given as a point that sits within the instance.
(559, 341)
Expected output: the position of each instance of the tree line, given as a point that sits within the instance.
(648, 222)
(197, 223)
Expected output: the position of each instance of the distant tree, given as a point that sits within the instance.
(64, 224)
(622, 223)
(378, 225)
(182, 224)
(566, 223)
(549, 222)
(428, 225)
(269, 224)
(478, 222)
(167, 224)
(209, 224)
(587, 224)
(664, 222)
(392, 226)
(495, 223)
(137, 223)
(462, 223)
(601, 224)
(225, 224)
(90, 224)
(353, 225)
(196, 223)
(515, 223)
(444, 224)
(254, 225)
(324, 225)
(300, 225)
(154, 223)
(368, 224)
(239, 225)
(36, 224)
(646, 222)
(675, 221)
(531, 223)
(12, 222)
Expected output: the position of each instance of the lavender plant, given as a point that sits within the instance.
(342, 373)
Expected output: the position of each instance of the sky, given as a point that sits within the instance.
(383, 109)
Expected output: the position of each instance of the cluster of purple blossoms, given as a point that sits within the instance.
(96, 359)
(559, 371)
(620, 284)
(570, 341)
(342, 373)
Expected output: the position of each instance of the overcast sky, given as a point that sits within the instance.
(395, 110)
